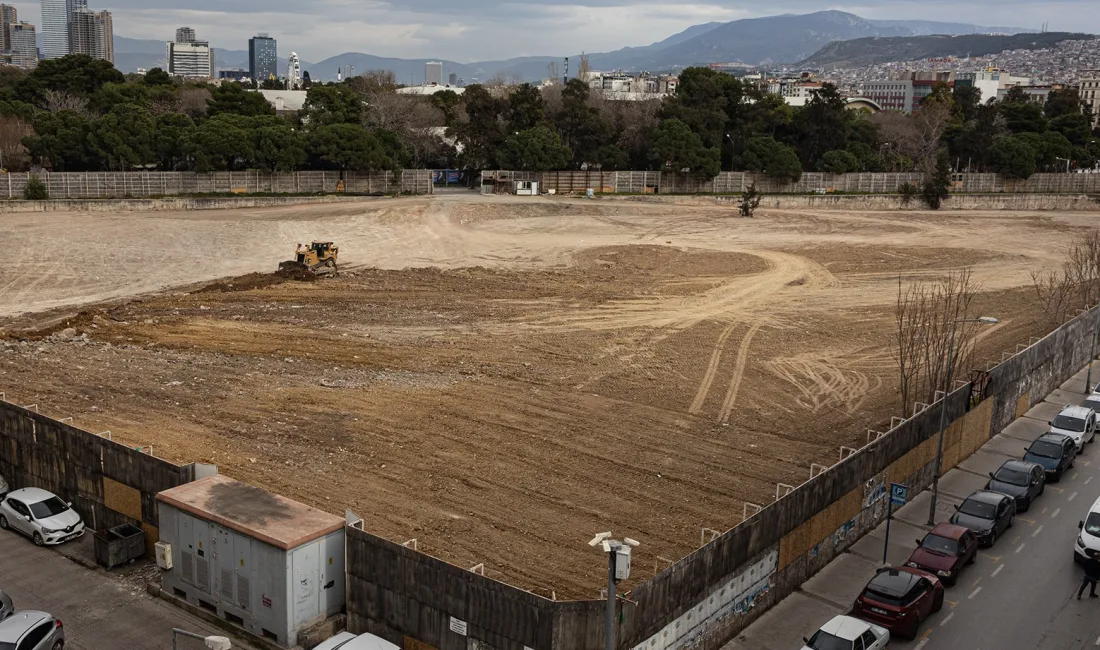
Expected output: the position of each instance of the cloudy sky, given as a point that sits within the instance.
(499, 29)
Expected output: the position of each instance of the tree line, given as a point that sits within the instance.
(80, 114)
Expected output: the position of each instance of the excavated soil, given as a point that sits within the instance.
(498, 378)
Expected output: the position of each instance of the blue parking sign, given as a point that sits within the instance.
(898, 494)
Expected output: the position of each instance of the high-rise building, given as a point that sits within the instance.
(185, 35)
(433, 73)
(8, 17)
(188, 57)
(24, 46)
(56, 16)
(1089, 90)
(452, 79)
(294, 72)
(92, 33)
(262, 58)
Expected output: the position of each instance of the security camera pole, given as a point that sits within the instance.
(618, 568)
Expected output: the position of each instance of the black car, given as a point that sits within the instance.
(988, 514)
(1055, 452)
(1020, 480)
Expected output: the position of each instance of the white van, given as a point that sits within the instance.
(1089, 539)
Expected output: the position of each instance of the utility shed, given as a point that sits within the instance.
(259, 560)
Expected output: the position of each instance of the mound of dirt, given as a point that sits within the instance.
(259, 281)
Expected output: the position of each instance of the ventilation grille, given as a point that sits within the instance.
(227, 584)
(243, 595)
(188, 568)
(203, 577)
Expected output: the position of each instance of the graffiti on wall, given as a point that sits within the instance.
(734, 598)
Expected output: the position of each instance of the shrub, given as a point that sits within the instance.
(36, 190)
(908, 192)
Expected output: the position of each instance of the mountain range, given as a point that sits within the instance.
(755, 41)
(869, 51)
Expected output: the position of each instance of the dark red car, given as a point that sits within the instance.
(898, 599)
(944, 551)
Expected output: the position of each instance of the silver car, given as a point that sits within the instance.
(40, 515)
(29, 630)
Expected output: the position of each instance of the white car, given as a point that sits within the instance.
(1077, 422)
(40, 515)
(349, 641)
(848, 633)
(1088, 541)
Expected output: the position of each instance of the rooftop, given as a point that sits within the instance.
(252, 511)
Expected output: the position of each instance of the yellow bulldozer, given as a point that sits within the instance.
(319, 258)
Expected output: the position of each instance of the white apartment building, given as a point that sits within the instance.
(992, 81)
(1089, 88)
(190, 60)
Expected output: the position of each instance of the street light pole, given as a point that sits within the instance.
(609, 623)
(943, 412)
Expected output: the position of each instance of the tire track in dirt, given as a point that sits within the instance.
(712, 369)
(738, 375)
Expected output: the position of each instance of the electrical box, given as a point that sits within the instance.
(622, 562)
(164, 555)
(259, 560)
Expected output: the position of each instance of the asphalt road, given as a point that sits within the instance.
(99, 611)
(1018, 595)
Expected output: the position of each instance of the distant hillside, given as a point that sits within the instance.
(869, 51)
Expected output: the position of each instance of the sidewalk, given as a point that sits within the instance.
(835, 587)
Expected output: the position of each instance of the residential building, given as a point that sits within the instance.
(452, 79)
(56, 16)
(1037, 94)
(1089, 88)
(262, 58)
(8, 17)
(433, 73)
(92, 33)
(189, 58)
(991, 81)
(891, 95)
(235, 74)
(24, 46)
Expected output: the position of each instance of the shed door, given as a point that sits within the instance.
(306, 597)
(226, 558)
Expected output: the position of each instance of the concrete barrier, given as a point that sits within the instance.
(885, 202)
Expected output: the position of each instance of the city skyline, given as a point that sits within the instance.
(429, 28)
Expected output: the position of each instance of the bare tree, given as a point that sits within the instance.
(1055, 292)
(931, 324)
(193, 101)
(553, 72)
(1082, 265)
(374, 82)
(496, 80)
(584, 69)
(12, 131)
(60, 100)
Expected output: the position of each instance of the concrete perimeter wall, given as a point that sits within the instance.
(708, 597)
(108, 483)
(879, 202)
(171, 204)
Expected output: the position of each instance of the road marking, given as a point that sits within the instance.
(1028, 521)
(1072, 496)
(1037, 531)
(1098, 641)
(1074, 477)
(949, 617)
(1056, 513)
(1057, 489)
(1021, 547)
(953, 603)
(974, 593)
(1043, 511)
(1086, 463)
(1088, 480)
(997, 570)
(923, 640)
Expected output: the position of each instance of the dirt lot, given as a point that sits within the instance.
(498, 378)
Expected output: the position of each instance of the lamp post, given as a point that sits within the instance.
(211, 642)
(618, 568)
(984, 320)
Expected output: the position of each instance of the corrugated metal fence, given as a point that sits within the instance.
(634, 182)
(87, 185)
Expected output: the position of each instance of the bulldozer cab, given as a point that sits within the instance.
(318, 257)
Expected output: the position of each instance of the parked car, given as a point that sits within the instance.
(898, 599)
(7, 608)
(1055, 452)
(349, 641)
(987, 514)
(30, 630)
(944, 551)
(40, 515)
(1019, 479)
(1088, 541)
(848, 633)
(1092, 402)
(1077, 422)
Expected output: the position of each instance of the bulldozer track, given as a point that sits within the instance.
(712, 369)
(738, 375)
